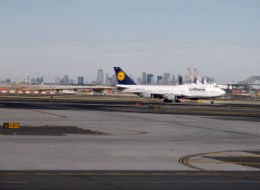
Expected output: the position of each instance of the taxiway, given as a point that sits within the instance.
(134, 139)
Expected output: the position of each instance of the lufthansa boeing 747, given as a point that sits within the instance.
(168, 93)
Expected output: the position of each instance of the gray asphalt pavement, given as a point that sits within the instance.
(129, 141)
(113, 180)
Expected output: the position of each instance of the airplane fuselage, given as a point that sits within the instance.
(190, 91)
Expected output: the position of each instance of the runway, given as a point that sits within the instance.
(122, 180)
(220, 108)
(127, 137)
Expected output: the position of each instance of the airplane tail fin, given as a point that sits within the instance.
(122, 77)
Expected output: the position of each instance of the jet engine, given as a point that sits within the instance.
(146, 95)
(170, 97)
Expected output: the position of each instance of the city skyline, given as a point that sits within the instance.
(53, 38)
(101, 78)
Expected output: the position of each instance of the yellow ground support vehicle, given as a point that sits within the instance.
(11, 125)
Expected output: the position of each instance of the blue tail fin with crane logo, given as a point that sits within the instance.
(122, 77)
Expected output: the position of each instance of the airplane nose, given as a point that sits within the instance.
(222, 92)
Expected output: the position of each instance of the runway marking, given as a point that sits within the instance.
(97, 173)
(223, 162)
(113, 173)
(158, 173)
(193, 126)
(201, 173)
(232, 154)
(41, 173)
(58, 115)
(15, 182)
(136, 173)
(15, 173)
(156, 182)
(123, 182)
(90, 182)
(65, 173)
(186, 161)
(182, 173)
(89, 173)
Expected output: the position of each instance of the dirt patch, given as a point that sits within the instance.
(49, 131)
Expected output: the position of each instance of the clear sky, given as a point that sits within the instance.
(221, 38)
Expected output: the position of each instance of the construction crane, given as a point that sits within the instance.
(197, 76)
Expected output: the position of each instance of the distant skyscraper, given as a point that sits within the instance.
(150, 79)
(109, 80)
(57, 80)
(8, 80)
(207, 80)
(139, 80)
(166, 78)
(39, 80)
(80, 80)
(27, 78)
(65, 80)
(159, 80)
(33, 81)
(71, 81)
(106, 77)
(144, 78)
(100, 76)
(173, 82)
(114, 79)
(180, 80)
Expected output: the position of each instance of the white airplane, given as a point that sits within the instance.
(168, 93)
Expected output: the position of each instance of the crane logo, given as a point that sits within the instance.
(120, 75)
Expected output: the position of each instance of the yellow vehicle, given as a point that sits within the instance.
(11, 125)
